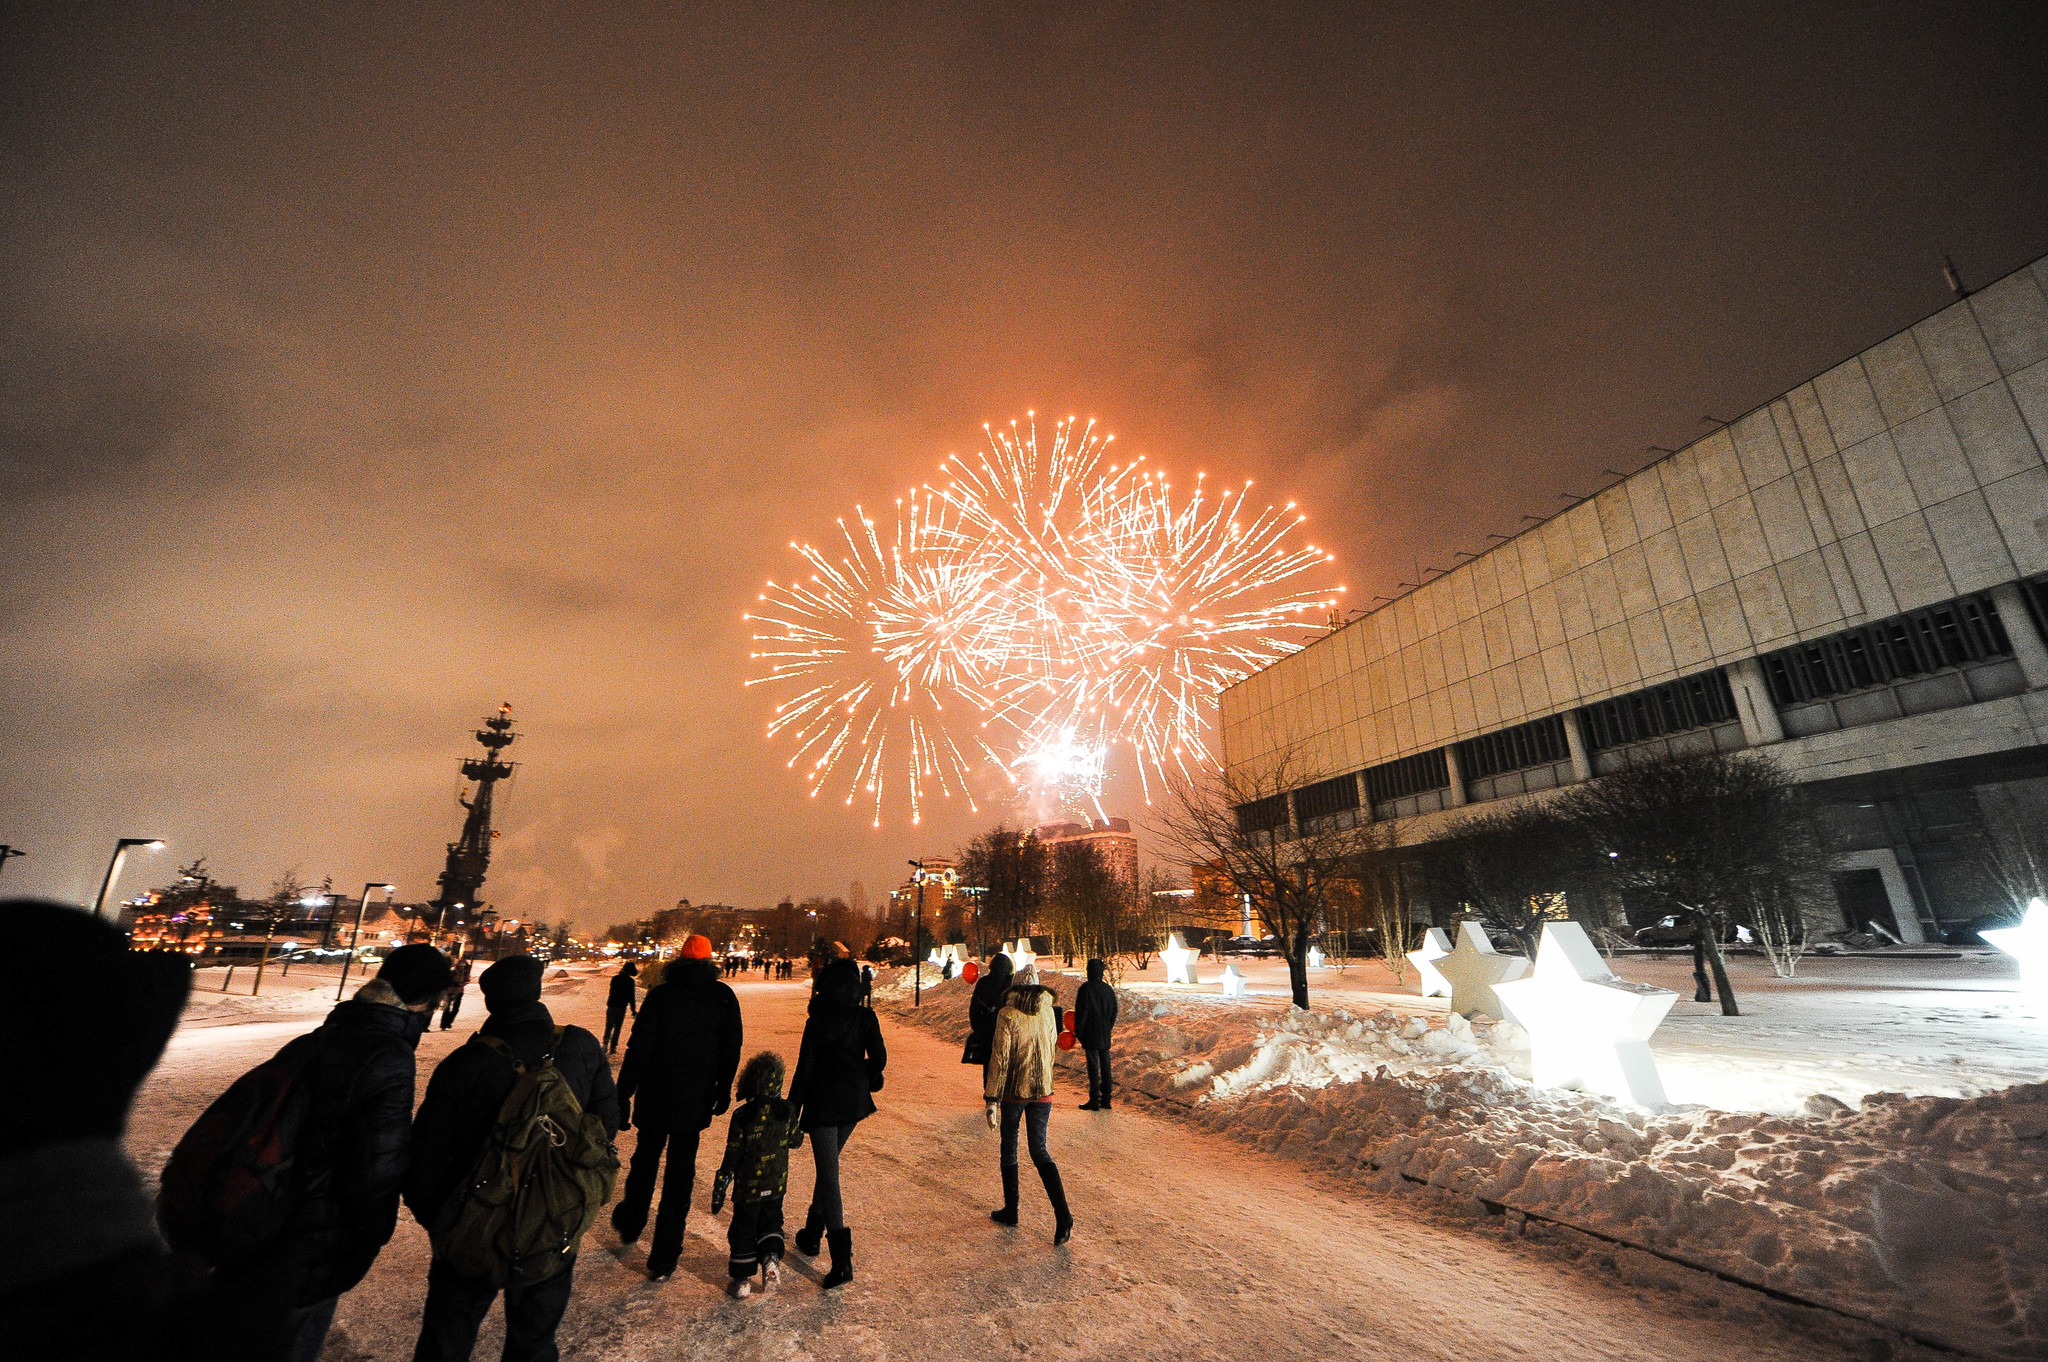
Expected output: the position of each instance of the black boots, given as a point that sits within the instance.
(1007, 1215)
(628, 1222)
(1062, 1218)
(811, 1237)
(841, 1242)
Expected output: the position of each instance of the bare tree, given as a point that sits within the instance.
(1089, 902)
(1708, 837)
(2016, 842)
(1380, 888)
(1513, 868)
(1012, 869)
(1241, 828)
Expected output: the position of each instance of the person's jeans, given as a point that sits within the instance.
(450, 1005)
(677, 1183)
(1098, 1075)
(828, 1210)
(456, 1307)
(308, 1327)
(614, 1022)
(755, 1237)
(1034, 1117)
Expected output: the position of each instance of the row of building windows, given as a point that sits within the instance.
(1952, 634)
(1655, 711)
(1514, 749)
(1326, 798)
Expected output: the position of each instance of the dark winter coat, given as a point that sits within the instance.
(757, 1145)
(470, 1086)
(684, 1050)
(982, 1008)
(1094, 1010)
(621, 994)
(842, 1057)
(359, 1142)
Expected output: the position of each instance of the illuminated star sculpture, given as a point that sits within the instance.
(1315, 957)
(1587, 1028)
(2027, 944)
(1474, 968)
(1022, 957)
(1435, 945)
(1180, 961)
(1233, 982)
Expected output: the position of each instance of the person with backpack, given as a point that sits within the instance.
(452, 1004)
(296, 1169)
(619, 999)
(984, 1006)
(756, 1169)
(838, 1070)
(676, 1076)
(524, 1104)
(1017, 1085)
(84, 1277)
(1094, 1021)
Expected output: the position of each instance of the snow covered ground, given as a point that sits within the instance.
(1190, 1245)
(1927, 1212)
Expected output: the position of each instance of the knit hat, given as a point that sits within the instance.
(513, 980)
(82, 1064)
(697, 948)
(416, 972)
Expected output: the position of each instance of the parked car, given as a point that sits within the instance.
(1666, 931)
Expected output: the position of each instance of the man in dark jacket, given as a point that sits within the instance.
(982, 1008)
(838, 1070)
(1094, 1019)
(83, 1275)
(676, 1076)
(456, 1117)
(360, 1126)
(618, 1001)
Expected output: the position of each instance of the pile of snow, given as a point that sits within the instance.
(1927, 1214)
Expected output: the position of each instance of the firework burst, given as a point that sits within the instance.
(1039, 606)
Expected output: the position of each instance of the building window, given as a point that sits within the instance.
(1325, 798)
(1953, 634)
(1514, 749)
(1408, 776)
(1674, 707)
(1263, 815)
(2034, 591)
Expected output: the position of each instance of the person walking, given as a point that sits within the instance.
(838, 1070)
(984, 1006)
(867, 986)
(456, 1118)
(452, 1002)
(1017, 1085)
(1094, 1020)
(618, 1001)
(676, 1076)
(756, 1169)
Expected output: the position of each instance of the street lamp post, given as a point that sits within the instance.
(99, 905)
(362, 907)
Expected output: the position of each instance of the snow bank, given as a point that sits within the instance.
(1927, 1214)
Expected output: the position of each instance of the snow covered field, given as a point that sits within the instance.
(1190, 1245)
(1928, 1212)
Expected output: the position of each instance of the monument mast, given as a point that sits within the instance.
(470, 855)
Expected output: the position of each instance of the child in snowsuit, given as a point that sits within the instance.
(756, 1169)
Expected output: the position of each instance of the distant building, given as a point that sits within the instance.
(1110, 838)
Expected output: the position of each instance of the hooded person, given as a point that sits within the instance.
(1017, 1085)
(677, 1075)
(620, 998)
(456, 1117)
(83, 1274)
(838, 1070)
(983, 1007)
(1094, 1021)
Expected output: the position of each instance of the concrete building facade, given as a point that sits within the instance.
(1853, 577)
(1111, 839)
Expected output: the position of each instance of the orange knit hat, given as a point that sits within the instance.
(697, 948)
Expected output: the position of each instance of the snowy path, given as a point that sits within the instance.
(1189, 1245)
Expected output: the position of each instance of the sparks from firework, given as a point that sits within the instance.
(1042, 601)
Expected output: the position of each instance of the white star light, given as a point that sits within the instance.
(1435, 946)
(1180, 961)
(1233, 982)
(1587, 1028)
(1315, 957)
(1021, 955)
(2027, 944)
(1474, 968)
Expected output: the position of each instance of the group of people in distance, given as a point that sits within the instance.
(771, 967)
(1014, 1028)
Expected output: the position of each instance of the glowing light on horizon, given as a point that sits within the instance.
(1025, 615)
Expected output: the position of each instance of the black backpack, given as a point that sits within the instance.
(233, 1181)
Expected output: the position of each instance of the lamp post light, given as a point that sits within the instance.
(362, 906)
(99, 905)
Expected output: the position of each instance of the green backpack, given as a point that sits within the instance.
(546, 1170)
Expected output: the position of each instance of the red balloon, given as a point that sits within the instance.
(970, 971)
(1067, 1041)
